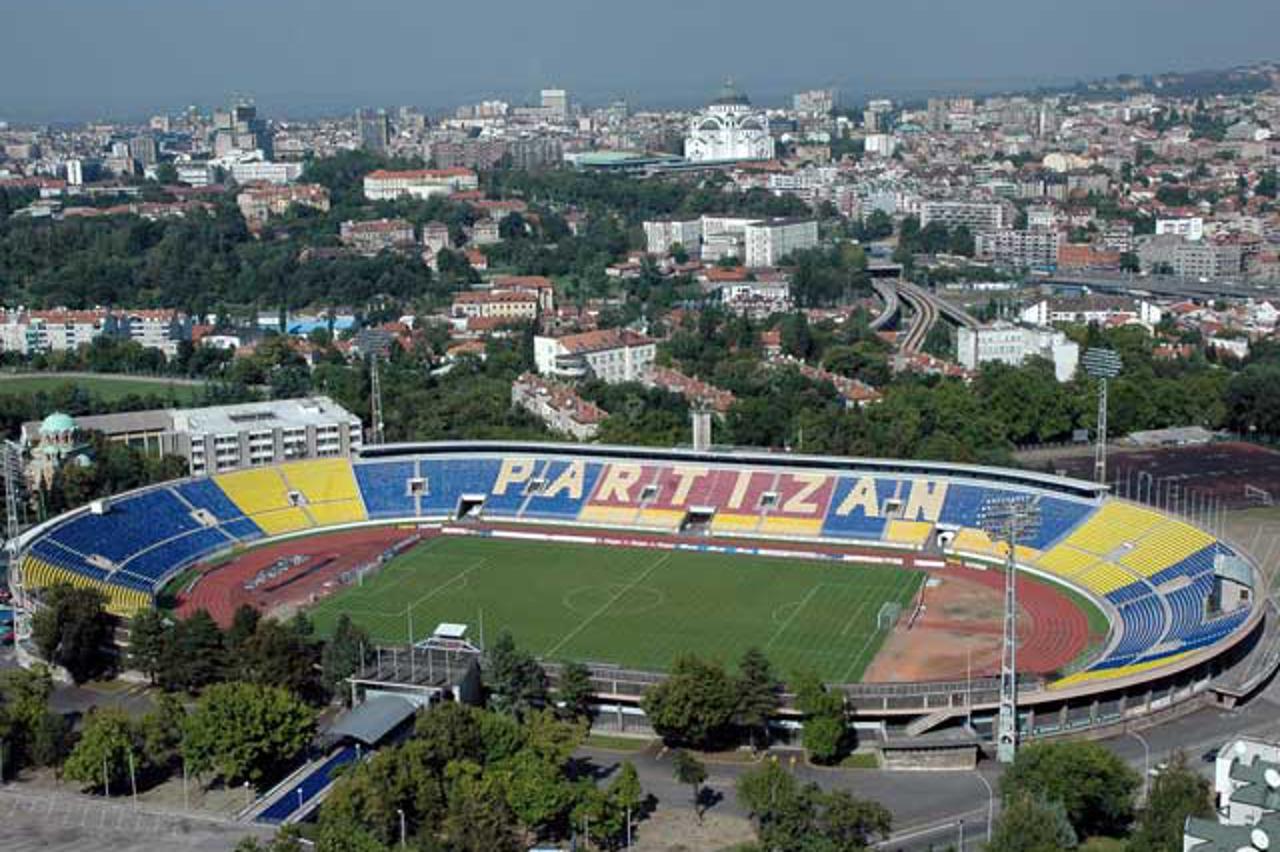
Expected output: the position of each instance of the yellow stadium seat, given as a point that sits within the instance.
(1112, 526)
(255, 491)
(280, 521)
(608, 515)
(1066, 561)
(778, 525)
(908, 532)
(1116, 673)
(322, 480)
(663, 519)
(1164, 547)
(734, 523)
(337, 512)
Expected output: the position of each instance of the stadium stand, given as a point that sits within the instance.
(1154, 574)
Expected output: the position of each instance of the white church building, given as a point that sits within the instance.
(729, 130)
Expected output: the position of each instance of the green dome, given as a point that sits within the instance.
(56, 423)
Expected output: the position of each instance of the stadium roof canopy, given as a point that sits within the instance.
(374, 719)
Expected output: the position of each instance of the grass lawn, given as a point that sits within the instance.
(633, 607)
(108, 387)
(618, 743)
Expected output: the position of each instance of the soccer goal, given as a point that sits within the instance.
(887, 617)
(1261, 495)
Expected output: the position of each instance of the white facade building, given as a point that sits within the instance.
(729, 130)
(1190, 228)
(384, 185)
(1037, 247)
(661, 235)
(975, 215)
(612, 355)
(769, 241)
(1013, 344)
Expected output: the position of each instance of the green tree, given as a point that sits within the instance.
(787, 815)
(1178, 792)
(536, 791)
(342, 654)
(1094, 786)
(759, 695)
(478, 818)
(689, 770)
(695, 705)
(574, 690)
(102, 754)
(194, 656)
(516, 682)
(148, 634)
(825, 731)
(1030, 824)
(73, 630)
(244, 623)
(246, 732)
(279, 655)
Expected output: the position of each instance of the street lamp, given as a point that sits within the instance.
(400, 811)
(1146, 763)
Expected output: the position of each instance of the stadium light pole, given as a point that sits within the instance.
(1011, 520)
(1103, 365)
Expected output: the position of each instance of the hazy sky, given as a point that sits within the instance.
(101, 58)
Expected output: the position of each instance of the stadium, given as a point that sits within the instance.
(879, 575)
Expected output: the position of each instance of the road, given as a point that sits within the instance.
(927, 806)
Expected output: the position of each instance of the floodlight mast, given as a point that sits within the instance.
(1103, 365)
(1011, 520)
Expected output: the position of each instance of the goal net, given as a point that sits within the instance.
(887, 617)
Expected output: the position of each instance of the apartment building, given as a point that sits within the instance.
(663, 234)
(512, 305)
(769, 241)
(373, 236)
(259, 203)
(612, 355)
(558, 406)
(33, 332)
(977, 216)
(1036, 247)
(1007, 343)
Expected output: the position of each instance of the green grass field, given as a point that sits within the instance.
(108, 387)
(633, 607)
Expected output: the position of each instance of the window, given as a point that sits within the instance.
(417, 487)
(648, 493)
(768, 499)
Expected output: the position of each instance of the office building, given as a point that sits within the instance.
(373, 129)
(556, 103)
(258, 204)
(376, 235)
(815, 102)
(239, 128)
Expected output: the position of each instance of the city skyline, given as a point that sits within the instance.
(126, 65)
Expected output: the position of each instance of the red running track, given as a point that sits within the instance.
(1052, 633)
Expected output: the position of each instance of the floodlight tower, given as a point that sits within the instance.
(375, 391)
(1011, 520)
(1103, 365)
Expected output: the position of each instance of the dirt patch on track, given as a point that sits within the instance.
(959, 630)
(310, 567)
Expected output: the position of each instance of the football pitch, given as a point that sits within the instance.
(632, 607)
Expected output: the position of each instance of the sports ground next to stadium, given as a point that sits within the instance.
(633, 607)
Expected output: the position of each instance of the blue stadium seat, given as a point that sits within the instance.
(205, 494)
(963, 508)
(385, 488)
(158, 563)
(856, 524)
(130, 525)
(561, 506)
